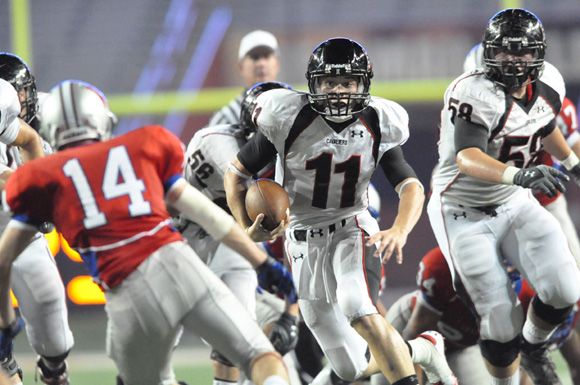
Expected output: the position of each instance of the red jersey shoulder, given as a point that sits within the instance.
(567, 118)
(434, 279)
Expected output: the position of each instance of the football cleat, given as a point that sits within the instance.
(538, 364)
(52, 376)
(435, 366)
(10, 367)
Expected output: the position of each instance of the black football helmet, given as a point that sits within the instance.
(249, 103)
(516, 32)
(15, 71)
(339, 56)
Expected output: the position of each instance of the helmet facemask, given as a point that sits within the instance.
(342, 104)
(514, 66)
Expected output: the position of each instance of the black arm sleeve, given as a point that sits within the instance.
(257, 153)
(468, 134)
(548, 129)
(395, 166)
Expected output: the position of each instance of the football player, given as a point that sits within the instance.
(436, 305)
(35, 279)
(329, 142)
(567, 122)
(258, 62)
(482, 210)
(208, 155)
(108, 199)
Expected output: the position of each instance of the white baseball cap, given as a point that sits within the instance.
(255, 39)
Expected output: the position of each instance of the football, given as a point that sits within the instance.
(267, 197)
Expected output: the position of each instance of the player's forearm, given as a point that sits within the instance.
(411, 202)
(13, 241)
(238, 240)
(474, 162)
(422, 319)
(555, 144)
(235, 187)
(29, 141)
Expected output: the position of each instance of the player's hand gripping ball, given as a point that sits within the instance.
(269, 198)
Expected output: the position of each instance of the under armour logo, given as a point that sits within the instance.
(354, 133)
(456, 216)
(301, 256)
(541, 109)
(529, 173)
(318, 232)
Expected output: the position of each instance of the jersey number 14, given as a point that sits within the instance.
(118, 165)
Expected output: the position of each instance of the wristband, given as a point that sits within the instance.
(508, 175)
(571, 161)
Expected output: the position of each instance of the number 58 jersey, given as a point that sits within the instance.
(326, 169)
(515, 129)
(107, 199)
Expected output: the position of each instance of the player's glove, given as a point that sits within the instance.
(284, 334)
(541, 178)
(7, 336)
(275, 278)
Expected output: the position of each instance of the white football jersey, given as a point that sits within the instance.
(514, 131)
(326, 173)
(208, 155)
(9, 111)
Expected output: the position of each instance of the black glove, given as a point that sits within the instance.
(7, 335)
(541, 178)
(284, 334)
(575, 172)
(275, 278)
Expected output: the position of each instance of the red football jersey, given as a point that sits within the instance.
(567, 122)
(107, 198)
(458, 324)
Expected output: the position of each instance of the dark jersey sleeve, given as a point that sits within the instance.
(257, 153)
(395, 166)
(469, 134)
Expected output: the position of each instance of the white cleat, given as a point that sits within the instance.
(435, 365)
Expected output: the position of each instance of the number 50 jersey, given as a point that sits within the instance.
(326, 171)
(515, 129)
(107, 199)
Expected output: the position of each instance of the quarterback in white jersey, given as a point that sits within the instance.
(482, 209)
(35, 278)
(329, 143)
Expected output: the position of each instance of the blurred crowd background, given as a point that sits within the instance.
(174, 62)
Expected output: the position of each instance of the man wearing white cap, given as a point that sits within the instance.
(258, 61)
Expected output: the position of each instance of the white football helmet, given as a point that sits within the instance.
(73, 112)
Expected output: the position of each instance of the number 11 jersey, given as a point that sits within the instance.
(326, 170)
(107, 199)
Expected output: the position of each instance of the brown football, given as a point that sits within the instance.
(267, 197)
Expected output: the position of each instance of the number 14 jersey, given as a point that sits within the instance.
(326, 171)
(515, 130)
(107, 199)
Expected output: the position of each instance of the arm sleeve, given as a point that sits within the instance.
(170, 162)
(395, 166)
(257, 153)
(469, 134)
(549, 128)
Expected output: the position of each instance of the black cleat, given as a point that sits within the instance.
(538, 364)
(52, 376)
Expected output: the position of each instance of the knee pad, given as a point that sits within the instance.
(218, 357)
(500, 354)
(549, 313)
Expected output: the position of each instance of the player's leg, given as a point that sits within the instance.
(468, 366)
(559, 209)
(537, 246)
(468, 237)
(39, 289)
(220, 319)
(241, 279)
